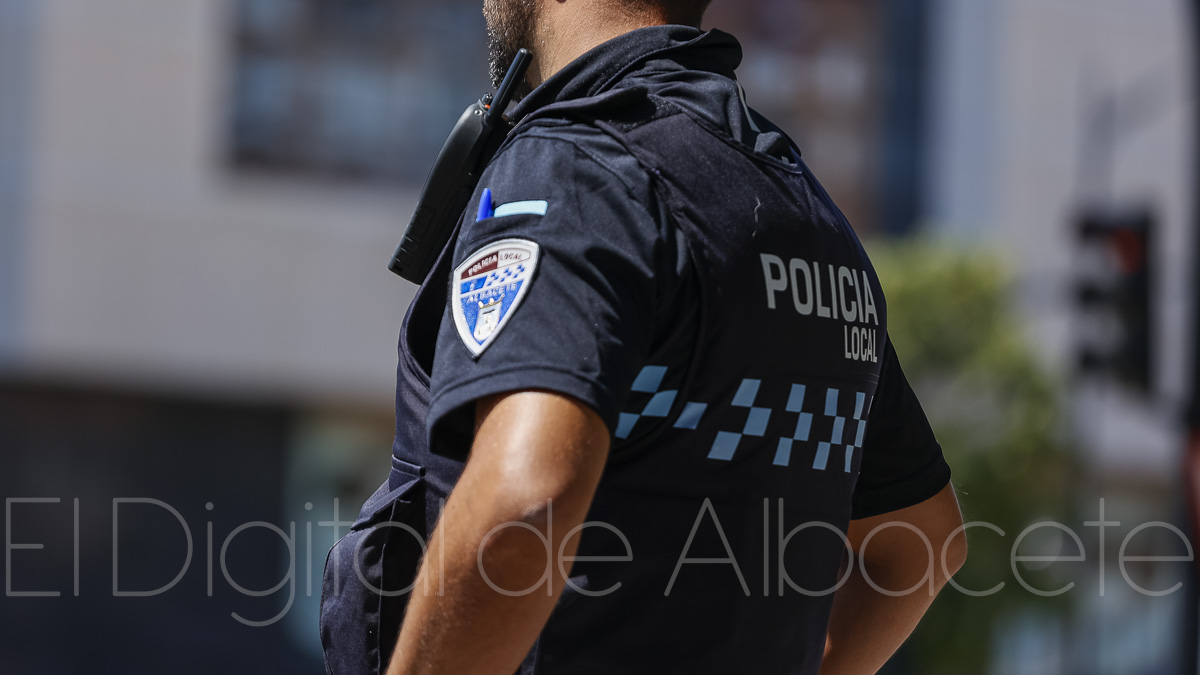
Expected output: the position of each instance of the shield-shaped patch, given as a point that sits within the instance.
(488, 286)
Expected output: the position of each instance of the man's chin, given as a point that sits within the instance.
(498, 62)
(498, 65)
(510, 24)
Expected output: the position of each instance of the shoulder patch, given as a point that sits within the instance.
(488, 286)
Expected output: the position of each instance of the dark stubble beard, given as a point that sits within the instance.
(510, 26)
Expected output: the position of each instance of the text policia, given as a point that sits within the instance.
(830, 292)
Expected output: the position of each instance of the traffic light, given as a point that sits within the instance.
(1117, 293)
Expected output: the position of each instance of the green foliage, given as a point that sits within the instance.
(995, 411)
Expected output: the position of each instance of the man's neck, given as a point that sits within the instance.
(568, 30)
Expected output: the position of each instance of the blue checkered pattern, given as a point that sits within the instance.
(648, 381)
(862, 407)
(795, 403)
(835, 435)
(726, 443)
(690, 417)
(502, 276)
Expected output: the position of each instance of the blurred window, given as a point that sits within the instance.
(819, 69)
(365, 89)
(368, 89)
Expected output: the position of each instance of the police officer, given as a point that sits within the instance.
(648, 417)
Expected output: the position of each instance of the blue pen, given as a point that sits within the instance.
(485, 204)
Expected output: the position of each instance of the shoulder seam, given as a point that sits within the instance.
(580, 149)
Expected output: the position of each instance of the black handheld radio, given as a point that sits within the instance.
(476, 137)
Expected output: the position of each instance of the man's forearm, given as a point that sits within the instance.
(902, 560)
(458, 619)
(492, 572)
(867, 626)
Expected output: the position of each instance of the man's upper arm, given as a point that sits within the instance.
(568, 305)
(901, 561)
(902, 461)
(894, 540)
(535, 446)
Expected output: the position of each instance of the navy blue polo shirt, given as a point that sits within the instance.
(648, 245)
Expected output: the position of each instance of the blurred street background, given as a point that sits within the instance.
(198, 199)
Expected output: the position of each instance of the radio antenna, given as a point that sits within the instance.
(504, 93)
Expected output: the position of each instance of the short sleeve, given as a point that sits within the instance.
(567, 306)
(902, 462)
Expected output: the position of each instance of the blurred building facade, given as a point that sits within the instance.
(197, 195)
(191, 314)
(1021, 143)
(1038, 111)
(197, 200)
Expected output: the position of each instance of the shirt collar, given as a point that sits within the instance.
(604, 66)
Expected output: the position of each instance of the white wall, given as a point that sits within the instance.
(1013, 83)
(17, 36)
(147, 260)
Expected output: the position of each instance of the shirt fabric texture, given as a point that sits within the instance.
(698, 289)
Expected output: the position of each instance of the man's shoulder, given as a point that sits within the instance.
(559, 135)
(569, 150)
